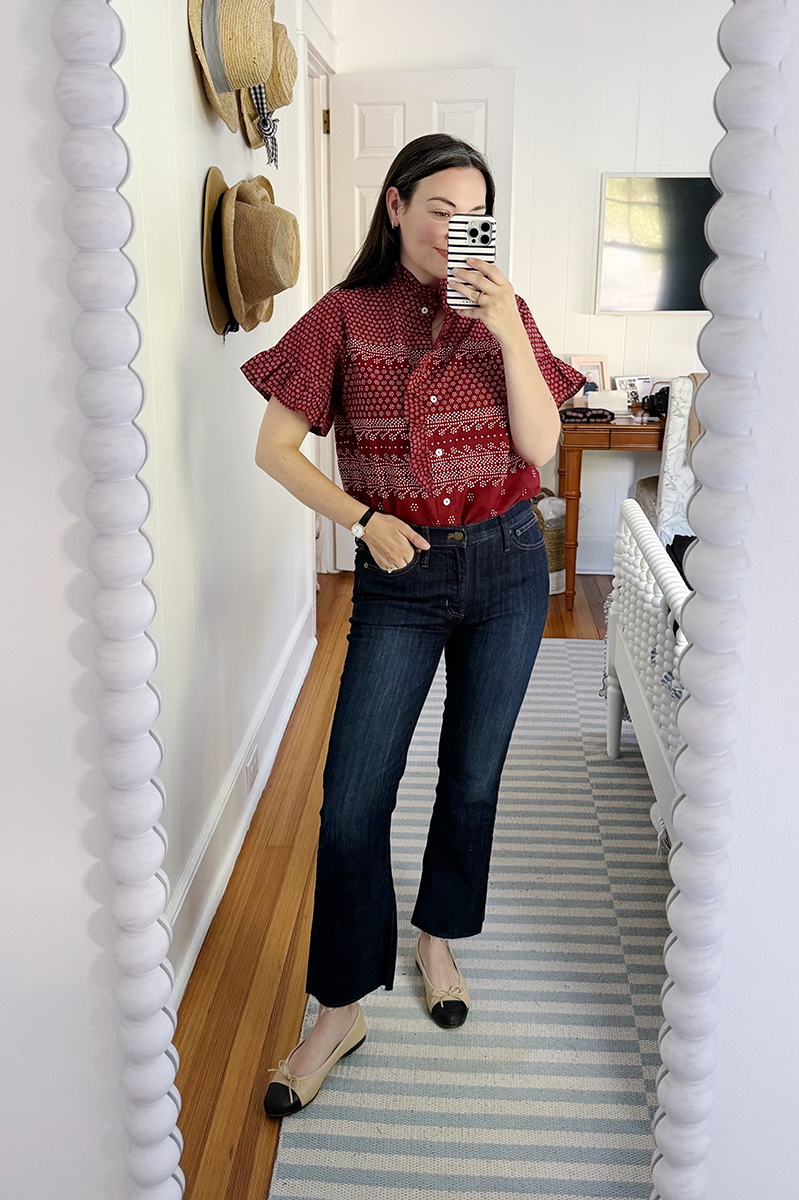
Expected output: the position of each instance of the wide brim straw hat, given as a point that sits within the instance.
(215, 187)
(226, 103)
(261, 245)
(257, 251)
(233, 43)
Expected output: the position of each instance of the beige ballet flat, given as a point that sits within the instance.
(449, 1007)
(289, 1093)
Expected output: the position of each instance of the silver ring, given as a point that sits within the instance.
(390, 569)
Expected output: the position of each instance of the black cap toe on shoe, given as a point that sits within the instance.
(449, 1014)
(279, 1101)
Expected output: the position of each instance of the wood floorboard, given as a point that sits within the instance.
(257, 1144)
(597, 590)
(245, 1053)
(243, 1005)
(259, 907)
(587, 619)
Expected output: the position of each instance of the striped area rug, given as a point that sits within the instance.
(548, 1089)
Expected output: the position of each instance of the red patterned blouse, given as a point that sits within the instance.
(421, 430)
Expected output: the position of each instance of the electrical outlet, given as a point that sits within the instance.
(251, 770)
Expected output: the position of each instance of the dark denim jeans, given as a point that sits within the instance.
(480, 594)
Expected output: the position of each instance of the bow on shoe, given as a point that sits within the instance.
(454, 992)
(283, 1069)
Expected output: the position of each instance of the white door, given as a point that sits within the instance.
(372, 116)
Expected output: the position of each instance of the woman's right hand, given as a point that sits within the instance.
(391, 542)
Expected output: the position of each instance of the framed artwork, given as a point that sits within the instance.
(636, 386)
(595, 369)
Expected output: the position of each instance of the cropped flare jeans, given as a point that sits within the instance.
(480, 595)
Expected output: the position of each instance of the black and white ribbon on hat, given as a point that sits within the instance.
(267, 123)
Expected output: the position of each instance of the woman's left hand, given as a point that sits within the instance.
(485, 284)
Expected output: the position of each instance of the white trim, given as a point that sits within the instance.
(316, 31)
(265, 731)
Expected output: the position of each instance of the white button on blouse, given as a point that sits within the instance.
(445, 500)
(439, 453)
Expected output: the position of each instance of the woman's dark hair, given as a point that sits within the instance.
(423, 156)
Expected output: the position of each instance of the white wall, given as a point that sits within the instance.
(234, 552)
(622, 85)
(60, 1106)
(757, 1081)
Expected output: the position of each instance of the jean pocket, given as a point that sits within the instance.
(527, 532)
(371, 566)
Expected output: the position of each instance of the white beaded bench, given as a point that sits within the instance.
(644, 647)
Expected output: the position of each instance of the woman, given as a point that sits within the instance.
(442, 418)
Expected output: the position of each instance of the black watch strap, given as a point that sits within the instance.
(370, 512)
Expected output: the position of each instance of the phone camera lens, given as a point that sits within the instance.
(485, 239)
(472, 232)
(486, 228)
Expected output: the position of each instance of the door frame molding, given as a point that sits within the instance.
(318, 167)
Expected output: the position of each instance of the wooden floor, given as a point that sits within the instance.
(243, 1006)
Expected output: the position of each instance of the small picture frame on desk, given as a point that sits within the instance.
(636, 386)
(595, 369)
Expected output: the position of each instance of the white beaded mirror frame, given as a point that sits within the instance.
(754, 37)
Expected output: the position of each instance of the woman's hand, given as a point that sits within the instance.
(485, 283)
(533, 417)
(391, 541)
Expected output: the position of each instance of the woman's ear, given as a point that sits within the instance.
(393, 205)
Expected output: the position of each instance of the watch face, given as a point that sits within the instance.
(357, 530)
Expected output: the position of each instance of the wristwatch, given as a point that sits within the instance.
(357, 530)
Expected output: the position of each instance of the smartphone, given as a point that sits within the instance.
(468, 237)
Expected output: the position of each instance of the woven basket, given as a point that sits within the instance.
(555, 542)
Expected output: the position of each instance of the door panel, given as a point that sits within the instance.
(372, 116)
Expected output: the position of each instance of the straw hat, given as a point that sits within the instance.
(283, 75)
(233, 43)
(279, 87)
(253, 254)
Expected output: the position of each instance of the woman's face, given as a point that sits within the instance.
(424, 220)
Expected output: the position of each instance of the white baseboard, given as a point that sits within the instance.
(595, 555)
(197, 894)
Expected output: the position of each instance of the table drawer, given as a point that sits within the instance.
(636, 439)
(586, 437)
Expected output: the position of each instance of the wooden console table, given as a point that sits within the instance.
(576, 437)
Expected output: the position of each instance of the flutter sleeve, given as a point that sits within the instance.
(562, 380)
(303, 371)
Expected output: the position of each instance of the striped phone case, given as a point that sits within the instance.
(468, 237)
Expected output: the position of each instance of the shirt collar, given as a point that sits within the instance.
(411, 285)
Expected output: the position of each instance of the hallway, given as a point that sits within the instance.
(252, 961)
